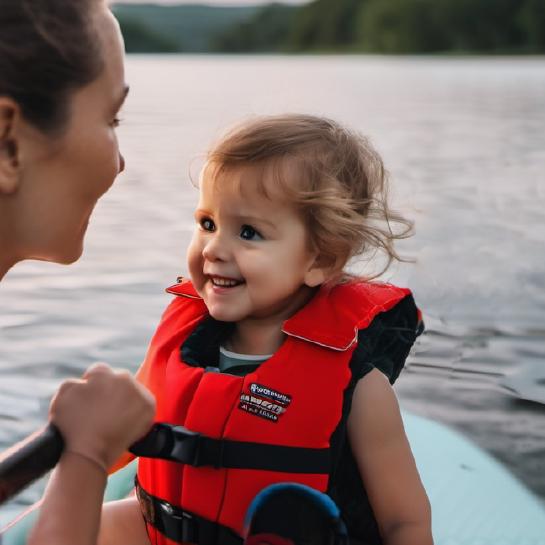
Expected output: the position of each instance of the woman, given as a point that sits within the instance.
(61, 88)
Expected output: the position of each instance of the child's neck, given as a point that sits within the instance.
(252, 337)
(263, 335)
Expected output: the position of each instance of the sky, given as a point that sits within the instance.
(210, 2)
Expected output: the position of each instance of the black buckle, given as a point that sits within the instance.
(167, 442)
(190, 530)
(167, 518)
(182, 526)
(185, 445)
(177, 524)
(178, 444)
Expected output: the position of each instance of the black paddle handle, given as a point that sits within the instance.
(29, 461)
(39, 453)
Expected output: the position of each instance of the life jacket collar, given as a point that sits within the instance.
(326, 320)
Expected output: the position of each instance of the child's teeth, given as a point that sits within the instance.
(224, 282)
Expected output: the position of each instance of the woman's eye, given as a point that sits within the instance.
(116, 122)
(207, 224)
(247, 232)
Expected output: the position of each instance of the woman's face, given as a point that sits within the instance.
(63, 177)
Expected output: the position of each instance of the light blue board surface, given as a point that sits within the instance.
(475, 500)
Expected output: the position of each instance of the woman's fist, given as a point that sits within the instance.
(102, 413)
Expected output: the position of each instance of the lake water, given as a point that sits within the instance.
(464, 141)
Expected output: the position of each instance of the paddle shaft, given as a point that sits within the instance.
(29, 460)
(37, 454)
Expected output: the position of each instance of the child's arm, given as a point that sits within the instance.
(122, 523)
(386, 464)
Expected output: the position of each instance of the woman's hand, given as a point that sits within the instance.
(103, 413)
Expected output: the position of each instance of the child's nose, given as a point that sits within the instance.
(216, 248)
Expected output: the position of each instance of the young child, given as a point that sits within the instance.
(275, 360)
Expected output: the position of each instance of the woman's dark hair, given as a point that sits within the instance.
(48, 49)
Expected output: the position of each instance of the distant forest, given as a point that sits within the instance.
(343, 26)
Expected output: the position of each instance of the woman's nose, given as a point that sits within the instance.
(121, 163)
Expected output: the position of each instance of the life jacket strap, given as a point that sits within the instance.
(182, 526)
(178, 444)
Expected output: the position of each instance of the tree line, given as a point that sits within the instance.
(366, 26)
(392, 26)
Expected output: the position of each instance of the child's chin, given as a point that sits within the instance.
(223, 315)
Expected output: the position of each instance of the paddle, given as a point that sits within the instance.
(36, 455)
(29, 460)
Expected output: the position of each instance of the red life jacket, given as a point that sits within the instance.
(294, 399)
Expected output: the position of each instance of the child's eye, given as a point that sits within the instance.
(247, 232)
(207, 224)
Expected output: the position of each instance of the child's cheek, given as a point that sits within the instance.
(195, 264)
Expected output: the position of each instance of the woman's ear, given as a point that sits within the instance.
(10, 164)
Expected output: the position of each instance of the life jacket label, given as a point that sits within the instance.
(264, 402)
(264, 391)
(260, 407)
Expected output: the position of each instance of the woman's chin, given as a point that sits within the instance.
(67, 256)
(63, 256)
(74, 256)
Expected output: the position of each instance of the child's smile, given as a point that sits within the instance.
(220, 282)
(250, 257)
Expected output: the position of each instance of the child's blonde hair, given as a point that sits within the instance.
(333, 176)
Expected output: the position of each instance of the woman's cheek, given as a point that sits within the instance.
(114, 164)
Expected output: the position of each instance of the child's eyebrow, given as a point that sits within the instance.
(202, 212)
(240, 217)
(255, 219)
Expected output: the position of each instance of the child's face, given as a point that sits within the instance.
(249, 257)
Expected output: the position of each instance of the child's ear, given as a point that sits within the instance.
(10, 167)
(320, 272)
(315, 277)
